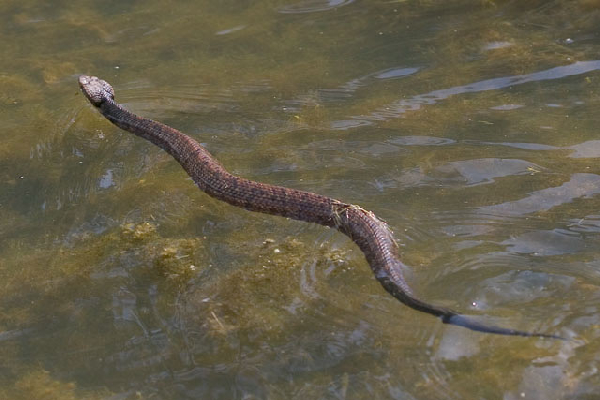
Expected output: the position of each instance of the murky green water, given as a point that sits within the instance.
(471, 127)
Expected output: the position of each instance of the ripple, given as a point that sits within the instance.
(230, 30)
(411, 177)
(454, 346)
(544, 380)
(587, 224)
(507, 107)
(546, 243)
(580, 185)
(496, 45)
(523, 286)
(398, 108)
(589, 149)
(421, 141)
(396, 73)
(470, 227)
(467, 172)
(192, 99)
(484, 170)
(378, 149)
(467, 230)
(309, 6)
(14, 334)
(525, 146)
(346, 91)
(348, 123)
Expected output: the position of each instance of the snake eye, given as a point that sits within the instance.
(108, 90)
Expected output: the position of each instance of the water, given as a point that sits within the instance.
(469, 126)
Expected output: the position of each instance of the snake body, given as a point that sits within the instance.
(372, 235)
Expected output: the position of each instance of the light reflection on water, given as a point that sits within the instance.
(310, 6)
(398, 108)
(472, 130)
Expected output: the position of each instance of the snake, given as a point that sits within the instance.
(371, 234)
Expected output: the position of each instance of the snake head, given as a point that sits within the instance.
(96, 90)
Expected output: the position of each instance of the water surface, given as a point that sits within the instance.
(471, 127)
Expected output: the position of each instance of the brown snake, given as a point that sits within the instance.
(371, 234)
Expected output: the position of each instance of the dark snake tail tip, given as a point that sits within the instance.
(469, 323)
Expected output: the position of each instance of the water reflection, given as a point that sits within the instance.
(185, 99)
(309, 6)
(120, 280)
(421, 141)
(546, 243)
(230, 30)
(579, 186)
(588, 149)
(476, 172)
(349, 89)
(398, 108)
(465, 172)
